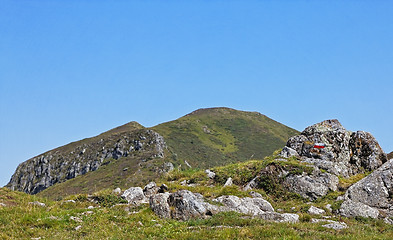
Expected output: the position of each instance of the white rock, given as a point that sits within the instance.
(135, 196)
(116, 191)
(228, 182)
(335, 226)
(36, 203)
(210, 174)
(315, 211)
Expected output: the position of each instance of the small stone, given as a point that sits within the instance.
(335, 226)
(76, 219)
(116, 191)
(125, 169)
(78, 227)
(329, 207)
(140, 223)
(183, 183)
(228, 182)
(90, 207)
(3, 205)
(70, 201)
(210, 174)
(36, 203)
(315, 211)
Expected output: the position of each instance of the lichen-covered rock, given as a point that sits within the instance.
(135, 196)
(74, 159)
(312, 186)
(375, 190)
(350, 208)
(159, 205)
(280, 217)
(344, 153)
(250, 206)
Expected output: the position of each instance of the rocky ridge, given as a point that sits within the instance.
(59, 165)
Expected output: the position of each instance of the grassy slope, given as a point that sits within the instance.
(205, 138)
(19, 220)
(218, 136)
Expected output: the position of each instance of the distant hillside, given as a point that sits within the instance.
(218, 136)
(134, 155)
(390, 155)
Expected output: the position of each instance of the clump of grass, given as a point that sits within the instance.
(345, 183)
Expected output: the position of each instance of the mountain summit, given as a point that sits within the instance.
(132, 154)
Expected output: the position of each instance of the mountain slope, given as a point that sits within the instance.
(131, 154)
(390, 155)
(217, 136)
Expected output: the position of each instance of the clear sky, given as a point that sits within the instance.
(73, 69)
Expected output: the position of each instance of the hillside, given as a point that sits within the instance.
(132, 154)
(217, 136)
(390, 155)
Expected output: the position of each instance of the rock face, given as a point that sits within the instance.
(61, 164)
(345, 153)
(372, 194)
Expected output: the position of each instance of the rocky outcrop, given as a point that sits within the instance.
(371, 195)
(390, 155)
(61, 164)
(343, 153)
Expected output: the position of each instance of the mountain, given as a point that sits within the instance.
(390, 155)
(133, 155)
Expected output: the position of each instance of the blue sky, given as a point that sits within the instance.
(73, 69)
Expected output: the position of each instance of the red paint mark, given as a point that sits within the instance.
(318, 146)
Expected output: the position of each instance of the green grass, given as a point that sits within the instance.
(59, 220)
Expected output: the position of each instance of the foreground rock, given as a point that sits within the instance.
(371, 195)
(185, 205)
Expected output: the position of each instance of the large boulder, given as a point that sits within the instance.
(343, 153)
(374, 191)
(250, 206)
(312, 186)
